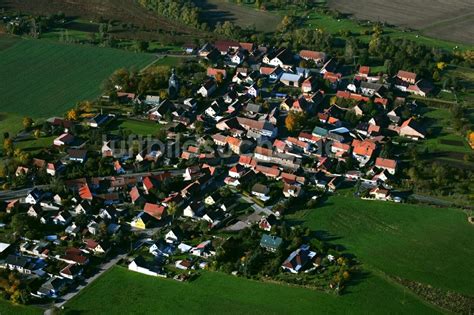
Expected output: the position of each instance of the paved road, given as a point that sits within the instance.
(103, 268)
(15, 194)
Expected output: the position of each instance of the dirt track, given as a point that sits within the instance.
(447, 19)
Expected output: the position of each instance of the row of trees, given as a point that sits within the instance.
(181, 10)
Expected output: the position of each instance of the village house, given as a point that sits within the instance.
(407, 76)
(141, 266)
(64, 139)
(214, 73)
(290, 79)
(410, 129)
(52, 288)
(280, 58)
(71, 271)
(379, 193)
(34, 196)
(299, 260)
(270, 243)
(292, 189)
(261, 192)
(203, 249)
(207, 89)
(174, 236)
(386, 164)
(77, 155)
(318, 57)
(267, 223)
(22, 264)
(363, 150)
(154, 210)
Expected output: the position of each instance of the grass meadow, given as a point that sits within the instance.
(123, 291)
(421, 243)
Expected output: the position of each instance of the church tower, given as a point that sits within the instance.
(173, 85)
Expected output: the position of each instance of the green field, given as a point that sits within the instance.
(123, 291)
(420, 243)
(142, 128)
(445, 142)
(8, 308)
(169, 61)
(10, 123)
(41, 78)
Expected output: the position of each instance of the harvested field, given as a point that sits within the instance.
(122, 11)
(220, 11)
(446, 19)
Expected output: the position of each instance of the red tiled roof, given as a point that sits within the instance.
(247, 46)
(297, 142)
(224, 45)
(193, 149)
(310, 54)
(279, 144)
(341, 146)
(212, 72)
(364, 70)
(85, 192)
(406, 75)
(90, 243)
(148, 183)
(247, 161)
(268, 171)
(343, 94)
(373, 128)
(233, 141)
(154, 210)
(381, 101)
(332, 77)
(134, 194)
(365, 148)
(263, 151)
(385, 163)
(308, 137)
(266, 70)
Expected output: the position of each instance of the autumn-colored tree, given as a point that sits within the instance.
(27, 122)
(219, 77)
(86, 106)
(37, 133)
(72, 115)
(8, 146)
(294, 121)
(172, 209)
(285, 23)
(163, 94)
(3, 171)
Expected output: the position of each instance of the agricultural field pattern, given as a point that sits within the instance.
(451, 20)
